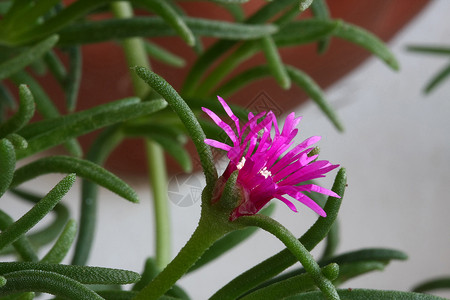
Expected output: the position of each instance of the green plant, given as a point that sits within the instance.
(31, 34)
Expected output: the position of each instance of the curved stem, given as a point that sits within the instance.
(296, 248)
(208, 231)
(136, 56)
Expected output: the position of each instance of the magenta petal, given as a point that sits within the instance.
(317, 189)
(221, 124)
(230, 114)
(288, 203)
(217, 144)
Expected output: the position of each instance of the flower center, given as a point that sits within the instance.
(241, 164)
(264, 172)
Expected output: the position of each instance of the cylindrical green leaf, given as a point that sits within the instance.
(50, 133)
(105, 30)
(188, 118)
(170, 15)
(363, 294)
(82, 274)
(35, 214)
(275, 63)
(25, 58)
(23, 115)
(313, 90)
(49, 232)
(73, 79)
(17, 141)
(83, 168)
(45, 106)
(47, 282)
(158, 53)
(7, 164)
(433, 284)
(59, 250)
(437, 79)
(22, 245)
(368, 41)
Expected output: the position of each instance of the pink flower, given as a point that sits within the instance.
(264, 172)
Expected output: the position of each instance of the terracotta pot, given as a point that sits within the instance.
(106, 78)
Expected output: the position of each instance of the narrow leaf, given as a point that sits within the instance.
(55, 66)
(82, 274)
(22, 245)
(275, 63)
(59, 250)
(83, 168)
(170, 15)
(49, 232)
(433, 284)
(22, 116)
(28, 56)
(355, 269)
(368, 41)
(105, 30)
(45, 106)
(17, 141)
(57, 131)
(313, 90)
(47, 282)
(320, 10)
(7, 164)
(437, 79)
(363, 294)
(35, 214)
(305, 31)
(430, 49)
(73, 79)
(105, 142)
(188, 118)
(164, 56)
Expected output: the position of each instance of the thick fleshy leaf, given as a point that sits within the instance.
(188, 118)
(47, 282)
(45, 106)
(275, 63)
(93, 32)
(7, 164)
(35, 214)
(22, 245)
(49, 133)
(315, 92)
(48, 233)
(25, 58)
(82, 274)
(363, 294)
(305, 31)
(22, 116)
(158, 53)
(441, 283)
(59, 250)
(171, 16)
(83, 168)
(437, 79)
(368, 41)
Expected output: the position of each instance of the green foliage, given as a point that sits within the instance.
(34, 38)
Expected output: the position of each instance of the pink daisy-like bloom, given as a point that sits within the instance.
(266, 167)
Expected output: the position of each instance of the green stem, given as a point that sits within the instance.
(135, 53)
(296, 248)
(157, 167)
(210, 228)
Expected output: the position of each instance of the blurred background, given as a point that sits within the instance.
(396, 149)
